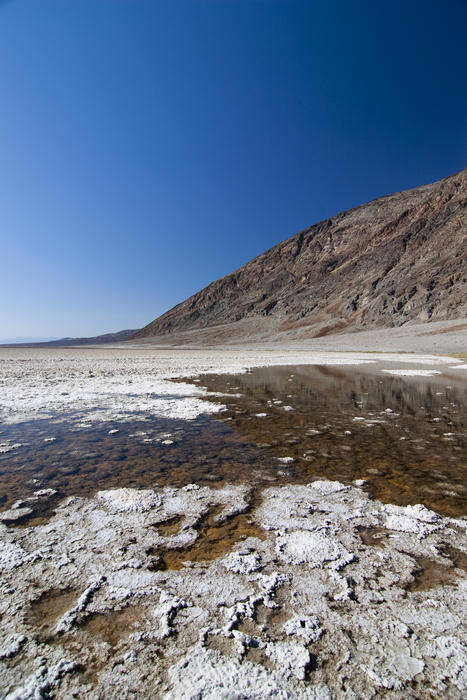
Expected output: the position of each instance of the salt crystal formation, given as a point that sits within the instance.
(309, 608)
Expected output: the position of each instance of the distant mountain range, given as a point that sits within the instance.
(118, 337)
(21, 340)
(398, 259)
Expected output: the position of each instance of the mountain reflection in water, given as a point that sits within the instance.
(405, 436)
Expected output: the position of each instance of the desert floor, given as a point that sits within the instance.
(234, 590)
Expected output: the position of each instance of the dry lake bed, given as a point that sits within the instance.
(227, 523)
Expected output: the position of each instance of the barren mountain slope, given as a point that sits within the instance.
(397, 259)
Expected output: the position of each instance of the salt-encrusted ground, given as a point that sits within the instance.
(316, 591)
(337, 596)
(117, 384)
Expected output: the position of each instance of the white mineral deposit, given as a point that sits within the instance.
(322, 593)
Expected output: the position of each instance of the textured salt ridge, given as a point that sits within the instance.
(412, 372)
(309, 612)
(116, 385)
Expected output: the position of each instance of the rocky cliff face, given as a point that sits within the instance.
(397, 259)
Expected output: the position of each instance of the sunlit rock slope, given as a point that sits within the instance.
(398, 259)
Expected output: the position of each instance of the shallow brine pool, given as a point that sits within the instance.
(405, 437)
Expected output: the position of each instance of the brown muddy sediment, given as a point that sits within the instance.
(49, 607)
(214, 538)
(113, 626)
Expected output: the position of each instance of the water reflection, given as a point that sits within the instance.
(405, 436)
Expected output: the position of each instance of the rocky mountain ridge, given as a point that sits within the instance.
(396, 260)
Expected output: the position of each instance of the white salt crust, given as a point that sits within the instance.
(115, 384)
(309, 610)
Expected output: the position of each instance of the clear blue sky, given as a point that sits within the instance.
(148, 147)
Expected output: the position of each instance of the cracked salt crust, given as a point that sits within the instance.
(311, 611)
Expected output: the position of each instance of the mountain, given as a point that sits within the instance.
(21, 340)
(117, 337)
(398, 259)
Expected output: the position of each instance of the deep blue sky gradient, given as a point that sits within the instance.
(148, 147)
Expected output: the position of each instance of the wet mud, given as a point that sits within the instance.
(214, 539)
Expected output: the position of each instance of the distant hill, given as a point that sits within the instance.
(21, 340)
(398, 259)
(118, 337)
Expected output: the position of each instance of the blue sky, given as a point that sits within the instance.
(149, 147)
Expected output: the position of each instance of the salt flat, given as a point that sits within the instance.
(115, 383)
(310, 591)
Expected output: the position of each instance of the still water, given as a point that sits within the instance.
(404, 436)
